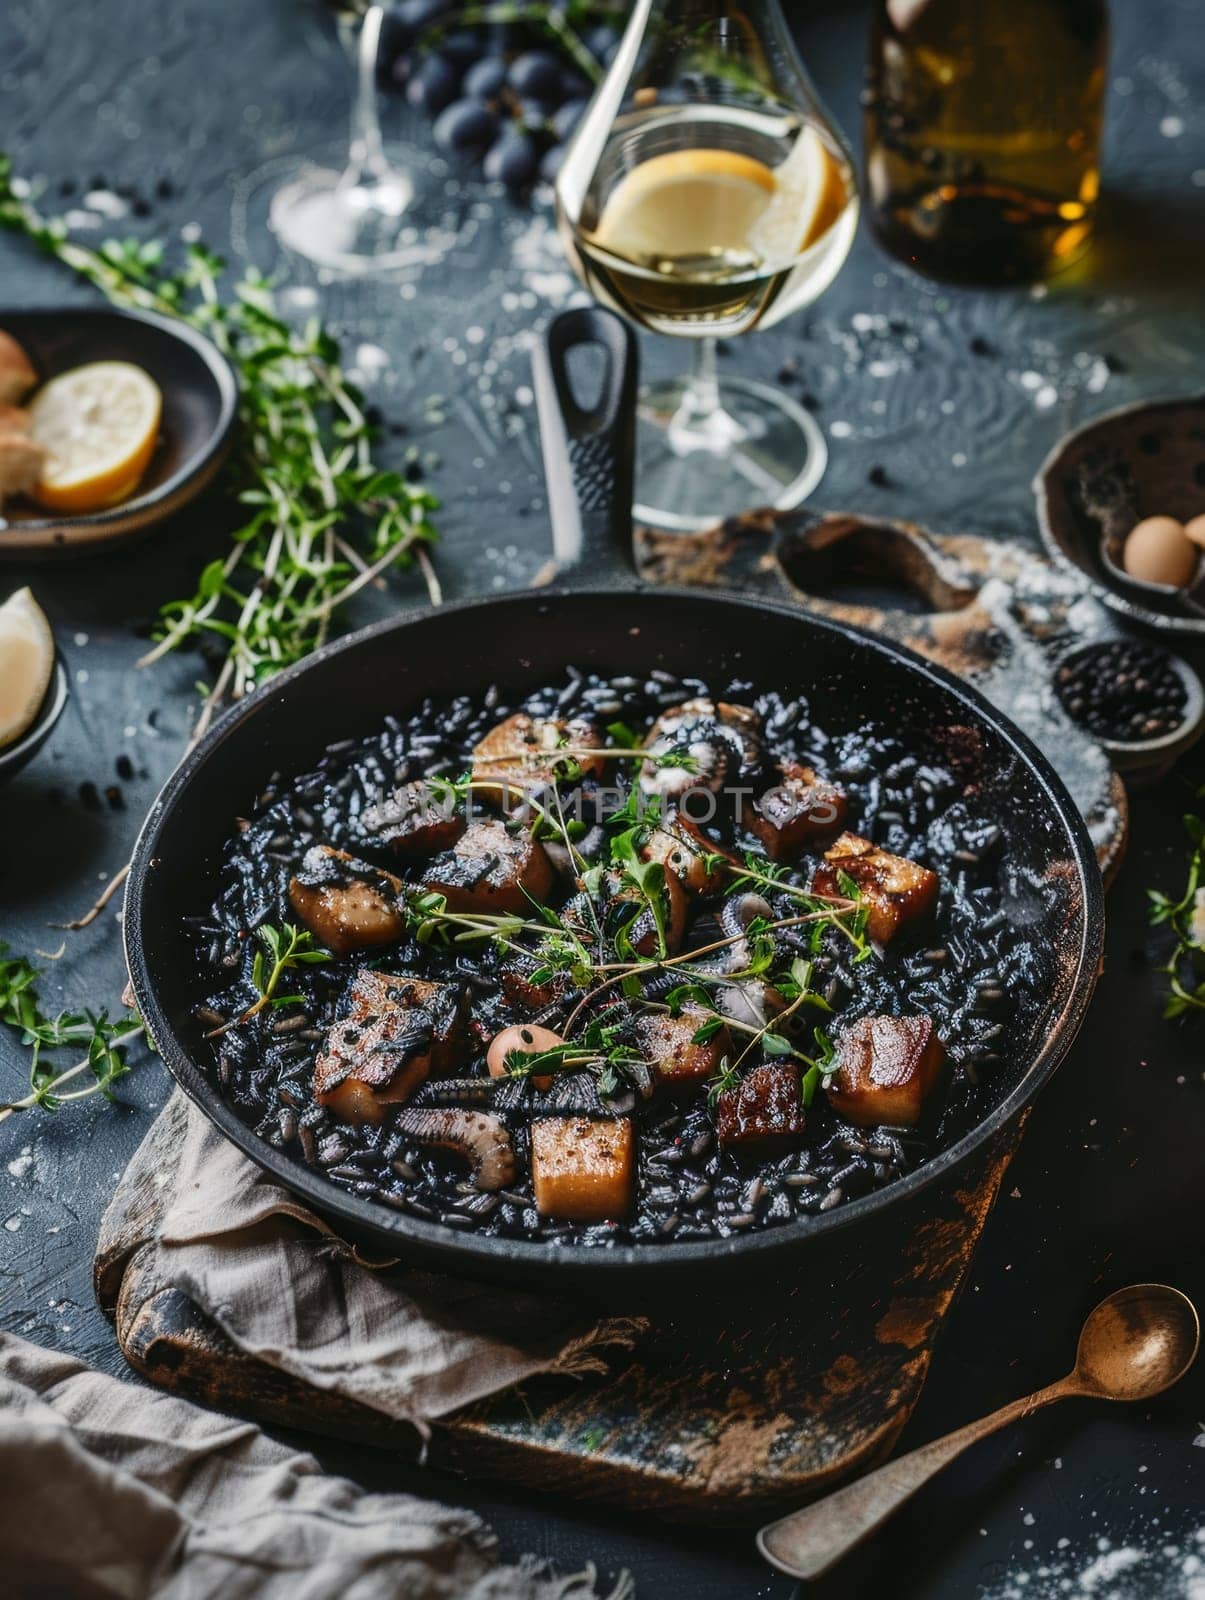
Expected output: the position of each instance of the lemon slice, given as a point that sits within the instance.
(98, 424)
(809, 196)
(26, 663)
(693, 202)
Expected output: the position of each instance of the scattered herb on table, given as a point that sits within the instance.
(1186, 918)
(101, 1038)
(324, 519)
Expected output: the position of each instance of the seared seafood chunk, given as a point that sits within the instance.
(669, 1045)
(397, 1032)
(896, 891)
(696, 860)
(346, 904)
(798, 809)
(491, 869)
(763, 1111)
(478, 1137)
(583, 1170)
(700, 745)
(888, 1067)
(526, 753)
(415, 820)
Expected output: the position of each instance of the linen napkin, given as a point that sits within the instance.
(286, 1290)
(112, 1491)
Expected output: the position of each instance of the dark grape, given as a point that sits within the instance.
(568, 117)
(512, 159)
(484, 79)
(397, 35)
(435, 84)
(417, 14)
(602, 43)
(534, 113)
(551, 164)
(535, 72)
(465, 125)
(504, 37)
(574, 85)
(463, 47)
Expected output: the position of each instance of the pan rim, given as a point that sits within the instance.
(531, 1256)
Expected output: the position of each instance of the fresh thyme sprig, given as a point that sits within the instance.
(324, 519)
(280, 950)
(764, 874)
(101, 1038)
(726, 1078)
(1186, 918)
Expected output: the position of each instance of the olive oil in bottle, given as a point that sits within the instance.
(983, 133)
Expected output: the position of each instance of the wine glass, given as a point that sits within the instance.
(351, 221)
(707, 193)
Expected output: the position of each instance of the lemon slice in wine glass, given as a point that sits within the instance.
(689, 203)
(809, 195)
(26, 663)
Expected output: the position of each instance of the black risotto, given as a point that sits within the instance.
(627, 960)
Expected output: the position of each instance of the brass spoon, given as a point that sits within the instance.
(1138, 1342)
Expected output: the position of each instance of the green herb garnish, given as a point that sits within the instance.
(323, 518)
(101, 1039)
(281, 950)
(821, 1068)
(1186, 918)
(725, 1079)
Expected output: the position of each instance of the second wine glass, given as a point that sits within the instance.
(351, 221)
(705, 194)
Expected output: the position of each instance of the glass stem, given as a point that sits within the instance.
(367, 156)
(700, 422)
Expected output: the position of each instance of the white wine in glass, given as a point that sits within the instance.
(704, 195)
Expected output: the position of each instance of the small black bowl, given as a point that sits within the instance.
(1152, 453)
(200, 406)
(14, 756)
(1143, 762)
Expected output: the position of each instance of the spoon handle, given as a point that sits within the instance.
(808, 1542)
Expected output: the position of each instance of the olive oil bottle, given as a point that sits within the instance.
(983, 122)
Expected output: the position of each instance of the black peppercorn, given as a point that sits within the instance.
(1122, 690)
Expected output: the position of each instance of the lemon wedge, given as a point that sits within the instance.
(26, 663)
(693, 202)
(98, 424)
(809, 196)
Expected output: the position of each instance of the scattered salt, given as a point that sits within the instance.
(20, 1165)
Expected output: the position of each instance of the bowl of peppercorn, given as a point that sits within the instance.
(1143, 705)
(1122, 500)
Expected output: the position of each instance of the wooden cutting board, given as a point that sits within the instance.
(730, 1408)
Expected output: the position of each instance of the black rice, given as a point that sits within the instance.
(975, 959)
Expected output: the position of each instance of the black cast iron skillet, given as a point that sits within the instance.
(612, 624)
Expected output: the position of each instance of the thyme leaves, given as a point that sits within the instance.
(102, 1039)
(322, 518)
(1185, 917)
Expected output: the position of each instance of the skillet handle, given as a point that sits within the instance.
(589, 455)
